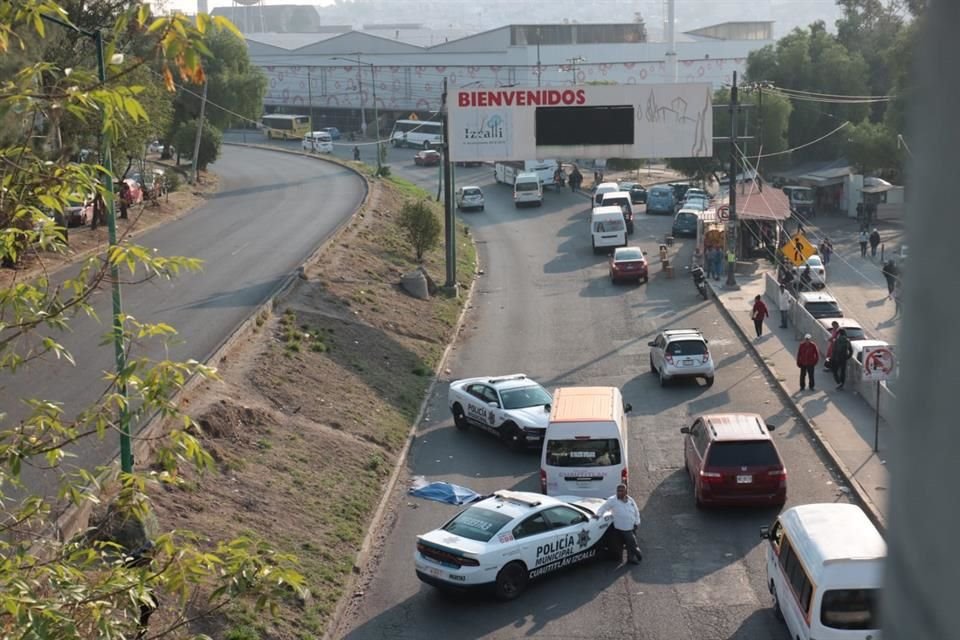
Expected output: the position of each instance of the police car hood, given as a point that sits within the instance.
(453, 542)
(535, 416)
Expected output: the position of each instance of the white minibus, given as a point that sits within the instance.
(608, 229)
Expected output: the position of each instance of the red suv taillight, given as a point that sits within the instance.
(711, 477)
(543, 481)
(779, 473)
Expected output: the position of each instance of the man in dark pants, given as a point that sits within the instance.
(841, 354)
(807, 358)
(626, 520)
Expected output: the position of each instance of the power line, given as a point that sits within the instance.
(805, 145)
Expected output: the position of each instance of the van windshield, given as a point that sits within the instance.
(854, 609)
(608, 225)
(583, 453)
(527, 186)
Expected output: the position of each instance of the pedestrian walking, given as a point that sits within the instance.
(718, 263)
(834, 332)
(826, 250)
(874, 242)
(890, 275)
(784, 306)
(842, 352)
(626, 521)
(356, 153)
(807, 358)
(758, 313)
(863, 238)
(806, 279)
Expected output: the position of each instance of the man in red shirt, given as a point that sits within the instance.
(807, 358)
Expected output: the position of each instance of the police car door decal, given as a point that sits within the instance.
(562, 549)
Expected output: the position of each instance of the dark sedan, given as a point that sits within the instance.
(427, 158)
(638, 193)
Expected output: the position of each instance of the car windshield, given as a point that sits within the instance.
(814, 261)
(532, 396)
(749, 453)
(822, 307)
(855, 333)
(624, 255)
(686, 348)
(477, 523)
(527, 186)
(855, 609)
(687, 218)
(583, 453)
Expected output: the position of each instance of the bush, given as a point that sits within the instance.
(421, 225)
(624, 164)
(210, 140)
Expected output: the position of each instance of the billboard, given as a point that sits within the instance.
(592, 121)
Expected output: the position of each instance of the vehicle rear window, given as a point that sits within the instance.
(855, 333)
(609, 225)
(854, 609)
(661, 192)
(751, 453)
(527, 186)
(525, 397)
(477, 523)
(619, 201)
(822, 307)
(471, 192)
(686, 348)
(583, 453)
(629, 254)
(687, 218)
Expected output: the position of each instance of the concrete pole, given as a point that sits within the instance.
(671, 42)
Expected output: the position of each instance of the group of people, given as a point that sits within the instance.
(872, 238)
(713, 261)
(839, 352)
(576, 178)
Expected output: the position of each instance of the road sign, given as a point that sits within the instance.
(798, 249)
(878, 363)
(723, 213)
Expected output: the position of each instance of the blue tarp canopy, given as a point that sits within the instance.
(442, 491)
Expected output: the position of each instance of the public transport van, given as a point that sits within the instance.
(620, 199)
(527, 190)
(422, 134)
(285, 127)
(318, 141)
(601, 189)
(585, 446)
(825, 571)
(608, 229)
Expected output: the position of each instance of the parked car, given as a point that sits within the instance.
(852, 327)
(685, 223)
(628, 263)
(679, 190)
(638, 193)
(818, 273)
(660, 199)
(427, 158)
(820, 305)
(333, 132)
(697, 202)
(469, 198)
(732, 460)
(513, 407)
(681, 353)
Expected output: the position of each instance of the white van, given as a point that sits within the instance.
(620, 199)
(527, 190)
(607, 228)
(825, 570)
(318, 141)
(585, 446)
(601, 189)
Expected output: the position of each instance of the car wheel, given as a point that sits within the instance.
(709, 380)
(459, 418)
(653, 369)
(512, 436)
(663, 379)
(511, 581)
(646, 279)
(777, 611)
(594, 245)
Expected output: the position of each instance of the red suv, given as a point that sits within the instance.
(732, 460)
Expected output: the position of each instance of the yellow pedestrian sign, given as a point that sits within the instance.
(798, 249)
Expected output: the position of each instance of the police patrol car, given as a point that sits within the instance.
(514, 407)
(510, 538)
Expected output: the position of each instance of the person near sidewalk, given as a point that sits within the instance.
(784, 306)
(864, 239)
(717, 263)
(834, 332)
(826, 250)
(890, 273)
(758, 313)
(626, 520)
(842, 352)
(807, 358)
(806, 279)
(874, 242)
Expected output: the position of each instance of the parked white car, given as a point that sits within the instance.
(818, 273)
(469, 198)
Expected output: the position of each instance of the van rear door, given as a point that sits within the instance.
(583, 465)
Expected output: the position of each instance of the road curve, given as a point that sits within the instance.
(272, 211)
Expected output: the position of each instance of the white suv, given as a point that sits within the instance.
(681, 353)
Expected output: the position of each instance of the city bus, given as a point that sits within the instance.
(286, 127)
(423, 134)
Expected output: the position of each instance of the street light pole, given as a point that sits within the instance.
(731, 282)
(376, 110)
(573, 63)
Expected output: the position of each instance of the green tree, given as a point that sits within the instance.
(872, 148)
(421, 225)
(869, 28)
(86, 587)
(184, 140)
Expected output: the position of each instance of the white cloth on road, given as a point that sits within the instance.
(626, 514)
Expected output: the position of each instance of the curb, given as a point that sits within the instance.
(873, 512)
(362, 559)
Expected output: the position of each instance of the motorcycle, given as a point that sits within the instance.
(700, 280)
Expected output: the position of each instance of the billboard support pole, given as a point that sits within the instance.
(731, 282)
(450, 223)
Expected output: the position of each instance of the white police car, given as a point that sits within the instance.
(513, 407)
(510, 538)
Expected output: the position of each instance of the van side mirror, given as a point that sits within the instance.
(684, 429)
(627, 408)
(765, 532)
(650, 344)
(546, 407)
(771, 427)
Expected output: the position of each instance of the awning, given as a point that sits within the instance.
(771, 204)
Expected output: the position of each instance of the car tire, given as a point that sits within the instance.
(594, 245)
(459, 417)
(709, 380)
(512, 436)
(646, 279)
(696, 499)
(511, 581)
(481, 207)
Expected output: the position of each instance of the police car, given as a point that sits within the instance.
(513, 407)
(510, 538)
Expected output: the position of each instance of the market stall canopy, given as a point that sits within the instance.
(770, 204)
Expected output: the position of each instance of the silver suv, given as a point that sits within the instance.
(681, 353)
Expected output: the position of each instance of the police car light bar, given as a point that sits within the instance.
(513, 496)
(515, 376)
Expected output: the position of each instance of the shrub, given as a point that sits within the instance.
(421, 225)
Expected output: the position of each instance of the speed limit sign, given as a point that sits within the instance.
(723, 213)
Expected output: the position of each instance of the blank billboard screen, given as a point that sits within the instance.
(567, 126)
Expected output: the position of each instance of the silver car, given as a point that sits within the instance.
(681, 353)
(469, 198)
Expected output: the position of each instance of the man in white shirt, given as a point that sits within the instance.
(626, 519)
(784, 305)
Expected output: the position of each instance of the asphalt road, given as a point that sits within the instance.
(261, 225)
(545, 306)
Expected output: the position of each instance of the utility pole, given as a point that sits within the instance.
(758, 181)
(573, 64)
(538, 57)
(194, 171)
(310, 96)
(449, 219)
(376, 117)
(732, 190)
(363, 115)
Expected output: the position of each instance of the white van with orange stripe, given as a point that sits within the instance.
(825, 570)
(585, 446)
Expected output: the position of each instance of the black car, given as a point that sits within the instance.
(638, 194)
(685, 224)
(679, 190)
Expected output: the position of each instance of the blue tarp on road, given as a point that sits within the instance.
(442, 491)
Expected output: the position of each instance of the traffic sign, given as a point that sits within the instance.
(878, 363)
(798, 249)
(723, 213)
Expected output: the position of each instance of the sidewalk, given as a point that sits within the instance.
(841, 421)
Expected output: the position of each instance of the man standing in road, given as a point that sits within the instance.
(626, 520)
(863, 238)
(784, 306)
(807, 358)
(842, 352)
(874, 242)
